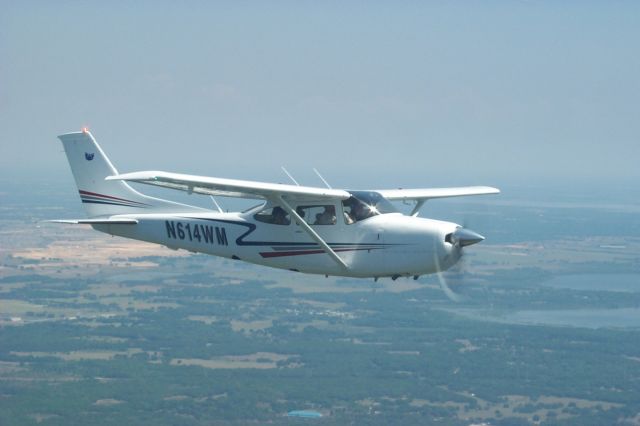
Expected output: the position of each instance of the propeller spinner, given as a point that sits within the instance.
(463, 237)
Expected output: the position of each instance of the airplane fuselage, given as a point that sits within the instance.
(384, 245)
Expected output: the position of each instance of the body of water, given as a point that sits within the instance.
(588, 318)
(597, 282)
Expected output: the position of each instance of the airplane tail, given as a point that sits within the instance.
(90, 166)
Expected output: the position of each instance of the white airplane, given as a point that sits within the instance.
(305, 229)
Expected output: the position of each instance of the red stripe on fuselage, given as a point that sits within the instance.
(302, 252)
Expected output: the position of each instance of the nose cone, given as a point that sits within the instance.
(466, 237)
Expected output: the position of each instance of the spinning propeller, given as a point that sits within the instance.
(460, 238)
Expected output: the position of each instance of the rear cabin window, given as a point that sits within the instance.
(319, 214)
(273, 215)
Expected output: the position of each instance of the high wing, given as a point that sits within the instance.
(230, 187)
(420, 196)
(429, 193)
(252, 189)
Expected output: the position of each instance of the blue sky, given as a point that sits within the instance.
(373, 94)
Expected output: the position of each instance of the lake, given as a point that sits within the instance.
(597, 282)
(589, 318)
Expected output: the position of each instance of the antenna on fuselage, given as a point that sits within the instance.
(321, 178)
(289, 174)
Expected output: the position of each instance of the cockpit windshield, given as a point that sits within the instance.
(365, 204)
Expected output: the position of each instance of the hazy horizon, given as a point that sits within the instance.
(376, 95)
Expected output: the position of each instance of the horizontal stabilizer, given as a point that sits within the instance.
(106, 221)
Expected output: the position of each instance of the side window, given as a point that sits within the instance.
(324, 214)
(274, 215)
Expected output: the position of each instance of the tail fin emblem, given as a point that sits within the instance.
(88, 156)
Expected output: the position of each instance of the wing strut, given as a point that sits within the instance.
(416, 209)
(311, 232)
